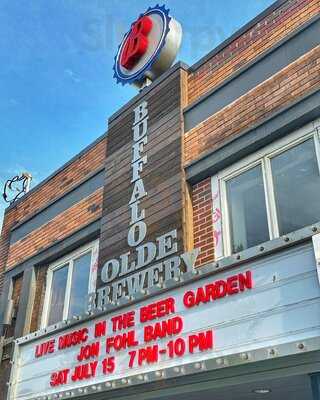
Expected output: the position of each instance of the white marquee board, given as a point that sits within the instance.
(282, 306)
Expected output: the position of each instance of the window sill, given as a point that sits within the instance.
(263, 249)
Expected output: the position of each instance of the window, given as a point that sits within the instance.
(269, 194)
(68, 283)
(247, 209)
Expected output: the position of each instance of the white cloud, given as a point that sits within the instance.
(13, 102)
(72, 75)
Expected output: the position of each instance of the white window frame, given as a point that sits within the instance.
(262, 157)
(69, 259)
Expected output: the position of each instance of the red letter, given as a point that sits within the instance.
(188, 299)
(245, 281)
(108, 365)
(232, 285)
(136, 43)
(132, 355)
(100, 329)
(221, 289)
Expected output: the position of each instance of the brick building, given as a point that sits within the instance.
(231, 184)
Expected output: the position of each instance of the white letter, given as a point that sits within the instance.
(134, 213)
(139, 227)
(103, 296)
(110, 271)
(135, 282)
(190, 259)
(124, 261)
(166, 244)
(138, 191)
(117, 290)
(138, 148)
(140, 130)
(154, 274)
(91, 301)
(137, 167)
(171, 268)
(146, 254)
(140, 112)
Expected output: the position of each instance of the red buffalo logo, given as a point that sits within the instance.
(136, 43)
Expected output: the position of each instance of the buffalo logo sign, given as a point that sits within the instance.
(149, 48)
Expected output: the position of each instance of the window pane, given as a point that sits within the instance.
(297, 187)
(247, 210)
(58, 290)
(79, 285)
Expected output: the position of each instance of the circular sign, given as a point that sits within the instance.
(149, 48)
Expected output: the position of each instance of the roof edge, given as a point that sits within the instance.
(56, 172)
(237, 34)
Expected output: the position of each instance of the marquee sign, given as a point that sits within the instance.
(268, 307)
(149, 48)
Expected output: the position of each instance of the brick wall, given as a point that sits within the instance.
(56, 229)
(202, 221)
(64, 180)
(294, 81)
(9, 221)
(282, 21)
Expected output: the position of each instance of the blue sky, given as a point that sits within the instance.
(56, 80)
